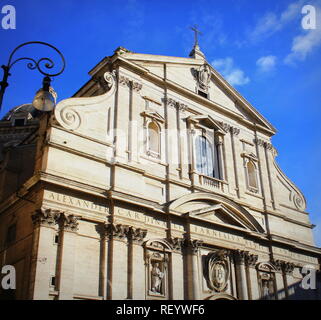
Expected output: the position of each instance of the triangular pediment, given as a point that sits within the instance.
(216, 209)
(181, 71)
(208, 121)
(220, 214)
(153, 115)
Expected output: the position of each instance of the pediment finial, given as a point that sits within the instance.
(196, 52)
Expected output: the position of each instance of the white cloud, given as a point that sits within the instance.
(235, 76)
(271, 22)
(304, 43)
(267, 63)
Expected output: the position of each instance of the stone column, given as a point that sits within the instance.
(172, 142)
(241, 282)
(44, 221)
(251, 276)
(123, 97)
(134, 115)
(103, 261)
(287, 269)
(117, 262)
(235, 152)
(176, 270)
(192, 269)
(66, 256)
(136, 283)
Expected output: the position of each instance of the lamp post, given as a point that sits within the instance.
(45, 98)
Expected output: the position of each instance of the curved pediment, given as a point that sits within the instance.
(215, 208)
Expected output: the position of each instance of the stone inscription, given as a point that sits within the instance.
(75, 202)
(294, 255)
(140, 217)
(217, 234)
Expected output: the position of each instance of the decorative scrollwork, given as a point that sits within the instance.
(71, 118)
(41, 63)
(298, 201)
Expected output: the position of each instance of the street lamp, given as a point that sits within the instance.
(45, 99)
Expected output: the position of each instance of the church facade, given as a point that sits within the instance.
(157, 180)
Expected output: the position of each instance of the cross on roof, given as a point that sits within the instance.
(196, 32)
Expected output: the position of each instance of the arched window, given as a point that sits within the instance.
(153, 138)
(204, 156)
(251, 174)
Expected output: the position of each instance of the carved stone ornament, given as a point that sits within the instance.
(298, 201)
(117, 231)
(69, 222)
(240, 256)
(216, 270)
(176, 104)
(47, 217)
(286, 267)
(137, 86)
(251, 259)
(193, 244)
(176, 243)
(203, 77)
(69, 112)
(136, 234)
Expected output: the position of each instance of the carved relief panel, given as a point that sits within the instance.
(216, 270)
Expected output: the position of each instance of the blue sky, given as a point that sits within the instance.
(259, 46)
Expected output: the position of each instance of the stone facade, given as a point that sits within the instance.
(157, 180)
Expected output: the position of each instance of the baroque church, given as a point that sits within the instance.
(156, 180)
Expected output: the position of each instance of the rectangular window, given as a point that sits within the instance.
(203, 94)
(52, 281)
(19, 122)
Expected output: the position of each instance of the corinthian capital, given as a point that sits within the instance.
(69, 222)
(46, 217)
(135, 234)
(251, 259)
(193, 245)
(117, 231)
(136, 86)
(286, 267)
(240, 256)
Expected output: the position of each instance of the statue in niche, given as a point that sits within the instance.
(265, 289)
(204, 77)
(156, 278)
